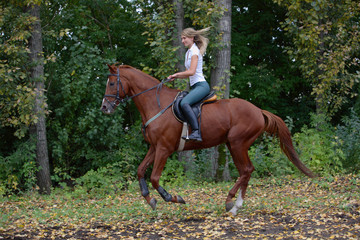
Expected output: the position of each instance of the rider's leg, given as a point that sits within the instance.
(192, 120)
(198, 92)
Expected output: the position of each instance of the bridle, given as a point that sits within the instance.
(118, 99)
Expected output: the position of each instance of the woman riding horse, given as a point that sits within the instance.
(199, 88)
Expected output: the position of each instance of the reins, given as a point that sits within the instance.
(118, 99)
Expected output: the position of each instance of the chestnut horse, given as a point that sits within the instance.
(235, 122)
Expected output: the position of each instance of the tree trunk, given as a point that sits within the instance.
(222, 172)
(179, 20)
(37, 75)
(220, 75)
(220, 79)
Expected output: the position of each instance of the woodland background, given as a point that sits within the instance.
(296, 58)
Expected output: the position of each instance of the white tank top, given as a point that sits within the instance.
(198, 76)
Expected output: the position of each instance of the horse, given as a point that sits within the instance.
(235, 122)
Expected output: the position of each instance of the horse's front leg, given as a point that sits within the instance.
(160, 160)
(149, 159)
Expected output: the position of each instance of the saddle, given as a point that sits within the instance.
(176, 108)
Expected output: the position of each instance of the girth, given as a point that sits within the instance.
(176, 108)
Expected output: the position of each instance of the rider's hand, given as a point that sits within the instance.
(171, 78)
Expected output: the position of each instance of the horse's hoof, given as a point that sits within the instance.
(229, 206)
(153, 203)
(233, 211)
(180, 200)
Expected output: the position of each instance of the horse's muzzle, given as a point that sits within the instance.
(106, 109)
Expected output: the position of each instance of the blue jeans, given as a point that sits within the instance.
(197, 92)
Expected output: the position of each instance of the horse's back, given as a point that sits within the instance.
(235, 108)
(235, 115)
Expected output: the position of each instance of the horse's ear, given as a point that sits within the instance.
(112, 68)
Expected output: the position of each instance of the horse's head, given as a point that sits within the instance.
(115, 91)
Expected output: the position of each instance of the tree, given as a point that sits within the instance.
(22, 101)
(37, 75)
(220, 75)
(325, 35)
(179, 26)
(220, 79)
(261, 70)
(161, 22)
(83, 36)
(186, 156)
(16, 92)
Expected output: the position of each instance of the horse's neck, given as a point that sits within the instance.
(147, 103)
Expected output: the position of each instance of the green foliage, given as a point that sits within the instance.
(105, 180)
(318, 148)
(159, 21)
(18, 170)
(200, 167)
(16, 91)
(85, 37)
(349, 138)
(115, 168)
(261, 70)
(268, 159)
(325, 35)
(118, 167)
(79, 133)
(80, 37)
(173, 174)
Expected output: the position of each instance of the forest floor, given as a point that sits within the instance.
(274, 208)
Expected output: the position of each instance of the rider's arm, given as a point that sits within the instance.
(189, 72)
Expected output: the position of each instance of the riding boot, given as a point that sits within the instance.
(192, 120)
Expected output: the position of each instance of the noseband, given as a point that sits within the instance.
(117, 97)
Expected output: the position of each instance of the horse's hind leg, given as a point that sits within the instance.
(241, 159)
(149, 159)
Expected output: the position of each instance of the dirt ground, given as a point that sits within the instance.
(261, 225)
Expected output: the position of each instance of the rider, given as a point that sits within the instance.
(196, 42)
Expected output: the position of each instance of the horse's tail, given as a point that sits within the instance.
(276, 127)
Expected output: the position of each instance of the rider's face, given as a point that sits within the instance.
(187, 41)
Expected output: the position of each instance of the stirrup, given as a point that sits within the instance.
(186, 137)
(193, 138)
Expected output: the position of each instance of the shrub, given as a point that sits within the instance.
(318, 148)
(105, 180)
(117, 167)
(349, 139)
(18, 170)
(202, 166)
(268, 159)
(173, 173)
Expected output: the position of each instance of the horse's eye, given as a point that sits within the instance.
(112, 84)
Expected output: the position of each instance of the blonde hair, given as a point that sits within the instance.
(199, 37)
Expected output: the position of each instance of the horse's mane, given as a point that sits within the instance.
(138, 71)
(145, 76)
